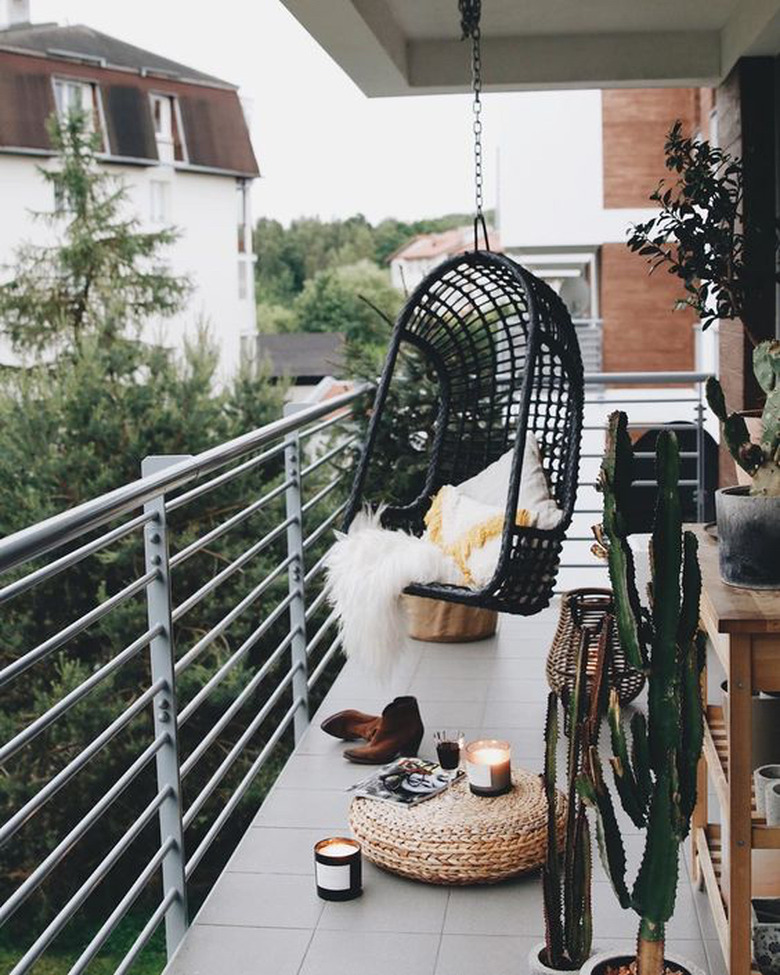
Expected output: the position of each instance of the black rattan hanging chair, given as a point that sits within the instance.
(506, 355)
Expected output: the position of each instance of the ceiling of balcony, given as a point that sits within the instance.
(394, 47)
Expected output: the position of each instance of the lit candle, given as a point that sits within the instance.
(488, 766)
(337, 869)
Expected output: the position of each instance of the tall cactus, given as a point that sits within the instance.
(656, 777)
(566, 874)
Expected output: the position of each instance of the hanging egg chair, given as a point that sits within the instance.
(506, 356)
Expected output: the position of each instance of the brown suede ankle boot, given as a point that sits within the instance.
(400, 732)
(351, 725)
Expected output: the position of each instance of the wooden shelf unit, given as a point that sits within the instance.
(743, 631)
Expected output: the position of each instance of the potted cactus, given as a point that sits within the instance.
(749, 518)
(697, 236)
(654, 775)
(567, 871)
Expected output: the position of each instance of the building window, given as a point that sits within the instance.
(242, 199)
(167, 128)
(243, 280)
(72, 96)
(160, 209)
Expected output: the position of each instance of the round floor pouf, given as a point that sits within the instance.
(457, 837)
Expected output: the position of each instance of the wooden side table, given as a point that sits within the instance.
(743, 631)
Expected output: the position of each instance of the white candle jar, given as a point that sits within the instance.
(488, 767)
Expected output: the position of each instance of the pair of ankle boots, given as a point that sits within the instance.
(397, 731)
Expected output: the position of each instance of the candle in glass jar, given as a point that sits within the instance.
(488, 766)
(337, 869)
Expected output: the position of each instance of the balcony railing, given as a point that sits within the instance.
(291, 644)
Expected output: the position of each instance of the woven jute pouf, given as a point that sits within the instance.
(457, 837)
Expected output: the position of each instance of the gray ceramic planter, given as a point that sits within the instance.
(765, 720)
(766, 934)
(597, 965)
(748, 539)
(763, 778)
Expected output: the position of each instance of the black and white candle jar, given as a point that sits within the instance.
(337, 869)
(489, 767)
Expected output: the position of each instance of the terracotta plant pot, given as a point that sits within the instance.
(537, 967)
(437, 621)
(597, 965)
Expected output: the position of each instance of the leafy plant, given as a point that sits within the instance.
(697, 235)
(656, 776)
(566, 877)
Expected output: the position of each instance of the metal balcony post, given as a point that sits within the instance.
(161, 651)
(292, 470)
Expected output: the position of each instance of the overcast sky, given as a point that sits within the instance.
(324, 148)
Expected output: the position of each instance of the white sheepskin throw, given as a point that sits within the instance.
(368, 568)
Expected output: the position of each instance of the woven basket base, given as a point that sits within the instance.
(437, 621)
(458, 838)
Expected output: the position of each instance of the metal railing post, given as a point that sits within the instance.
(161, 652)
(295, 573)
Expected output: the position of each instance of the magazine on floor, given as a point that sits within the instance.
(406, 781)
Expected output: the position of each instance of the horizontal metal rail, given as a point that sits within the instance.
(315, 570)
(227, 763)
(341, 414)
(100, 872)
(205, 692)
(61, 528)
(317, 638)
(240, 789)
(205, 641)
(226, 526)
(319, 532)
(77, 694)
(315, 604)
(70, 559)
(324, 661)
(61, 850)
(146, 933)
(65, 774)
(224, 720)
(124, 905)
(62, 637)
(225, 478)
(191, 601)
(322, 494)
(327, 457)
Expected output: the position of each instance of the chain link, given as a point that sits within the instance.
(470, 12)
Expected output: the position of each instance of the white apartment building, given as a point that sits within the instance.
(177, 137)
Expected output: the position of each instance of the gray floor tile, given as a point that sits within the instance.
(507, 714)
(269, 849)
(262, 901)
(445, 688)
(716, 964)
(451, 714)
(464, 954)
(523, 691)
(366, 953)
(305, 808)
(207, 949)
(389, 903)
(318, 772)
(515, 905)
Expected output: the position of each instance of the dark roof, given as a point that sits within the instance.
(303, 355)
(78, 41)
(215, 133)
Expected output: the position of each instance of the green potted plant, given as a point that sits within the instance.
(697, 236)
(567, 870)
(654, 775)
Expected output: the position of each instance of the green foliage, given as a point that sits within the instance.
(77, 423)
(337, 300)
(760, 460)
(103, 277)
(657, 781)
(697, 235)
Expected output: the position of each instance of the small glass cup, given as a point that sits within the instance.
(449, 747)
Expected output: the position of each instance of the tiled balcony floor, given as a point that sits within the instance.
(263, 916)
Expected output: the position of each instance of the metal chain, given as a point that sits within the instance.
(470, 12)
